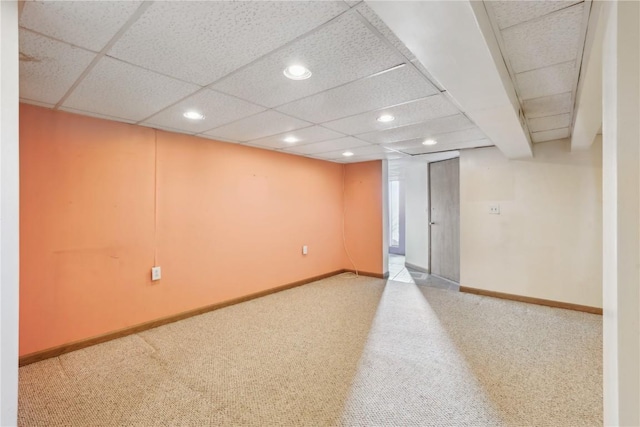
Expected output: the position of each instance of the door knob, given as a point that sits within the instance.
(431, 223)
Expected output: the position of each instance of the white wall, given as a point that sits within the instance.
(385, 217)
(621, 213)
(546, 243)
(9, 230)
(415, 181)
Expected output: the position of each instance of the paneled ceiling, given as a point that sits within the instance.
(149, 62)
(542, 43)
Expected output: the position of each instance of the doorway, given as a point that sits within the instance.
(396, 218)
(444, 219)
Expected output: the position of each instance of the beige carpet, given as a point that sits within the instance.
(345, 350)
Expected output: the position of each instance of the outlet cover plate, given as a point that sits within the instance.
(156, 273)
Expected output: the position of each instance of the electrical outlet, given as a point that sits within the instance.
(156, 273)
(305, 250)
(494, 209)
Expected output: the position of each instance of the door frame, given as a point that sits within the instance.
(429, 211)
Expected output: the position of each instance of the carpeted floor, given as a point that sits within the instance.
(345, 350)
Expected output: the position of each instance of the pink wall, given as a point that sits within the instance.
(363, 216)
(231, 221)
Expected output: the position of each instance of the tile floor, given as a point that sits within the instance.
(399, 273)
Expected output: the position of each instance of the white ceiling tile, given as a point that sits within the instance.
(208, 40)
(405, 145)
(550, 135)
(366, 150)
(546, 81)
(420, 130)
(394, 155)
(326, 146)
(508, 13)
(462, 136)
(384, 30)
(217, 108)
(390, 88)
(340, 52)
(412, 112)
(361, 159)
(424, 149)
(546, 41)
(48, 68)
(303, 136)
(117, 89)
(445, 139)
(90, 24)
(263, 124)
(550, 122)
(547, 106)
(96, 115)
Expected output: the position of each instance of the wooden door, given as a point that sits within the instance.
(444, 203)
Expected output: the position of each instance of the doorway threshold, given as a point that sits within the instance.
(400, 272)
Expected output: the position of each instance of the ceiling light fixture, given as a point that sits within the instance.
(386, 118)
(347, 154)
(297, 72)
(429, 142)
(193, 115)
(291, 140)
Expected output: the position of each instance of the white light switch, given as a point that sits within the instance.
(494, 209)
(156, 273)
(304, 250)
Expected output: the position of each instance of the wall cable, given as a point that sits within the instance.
(155, 199)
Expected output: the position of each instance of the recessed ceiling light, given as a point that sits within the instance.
(347, 154)
(297, 72)
(193, 115)
(429, 142)
(386, 118)
(291, 140)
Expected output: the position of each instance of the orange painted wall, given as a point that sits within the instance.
(363, 216)
(231, 221)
